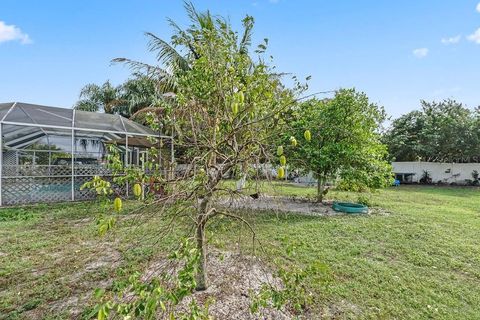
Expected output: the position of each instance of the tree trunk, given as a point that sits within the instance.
(243, 179)
(202, 279)
(320, 188)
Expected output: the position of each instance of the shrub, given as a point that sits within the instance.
(475, 176)
(426, 178)
(347, 185)
(365, 200)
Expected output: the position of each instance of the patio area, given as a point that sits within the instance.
(48, 153)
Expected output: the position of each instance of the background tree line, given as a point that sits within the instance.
(445, 131)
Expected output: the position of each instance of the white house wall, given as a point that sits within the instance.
(444, 172)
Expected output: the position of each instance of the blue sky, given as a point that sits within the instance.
(398, 52)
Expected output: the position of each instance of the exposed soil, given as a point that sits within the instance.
(233, 281)
(280, 204)
(293, 205)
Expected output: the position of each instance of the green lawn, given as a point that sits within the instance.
(419, 259)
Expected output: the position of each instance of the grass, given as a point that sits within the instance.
(422, 260)
(52, 258)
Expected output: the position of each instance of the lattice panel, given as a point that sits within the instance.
(118, 189)
(84, 194)
(36, 171)
(9, 158)
(31, 190)
(53, 170)
(91, 170)
(89, 195)
(55, 189)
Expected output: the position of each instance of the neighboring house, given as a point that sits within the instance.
(412, 172)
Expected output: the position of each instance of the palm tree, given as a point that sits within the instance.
(170, 60)
(154, 87)
(95, 98)
(138, 94)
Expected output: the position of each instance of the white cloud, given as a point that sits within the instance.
(12, 33)
(475, 37)
(420, 52)
(451, 40)
(478, 7)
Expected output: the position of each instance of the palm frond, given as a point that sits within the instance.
(191, 11)
(87, 105)
(142, 112)
(89, 91)
(166, 79)
(186, 38)
(246, 41)
(166, 54)
(141, 67)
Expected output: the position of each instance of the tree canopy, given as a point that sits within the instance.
(443, 131)
(339, 138)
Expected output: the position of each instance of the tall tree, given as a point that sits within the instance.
(227, 105)
(404, 139)
(339, 138)
(105, 98)
(140, 95)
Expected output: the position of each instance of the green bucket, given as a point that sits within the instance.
(349, 207)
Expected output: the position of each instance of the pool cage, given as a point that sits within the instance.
(48, 153)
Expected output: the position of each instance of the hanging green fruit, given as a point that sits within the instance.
(283, 160)
(280, 173)
(137, 190)
(241, 97)
(117, 204)
(279, 150)
(293, 141)
(234, 108)
(307, 135)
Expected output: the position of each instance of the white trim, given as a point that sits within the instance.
(27, 143)
(73, 118)
(123, 124)
(9, 110)
(83, 129)
(15, 132)
(28, 136)
(72, 153)
(55, 115)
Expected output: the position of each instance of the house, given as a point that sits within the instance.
(439, 173)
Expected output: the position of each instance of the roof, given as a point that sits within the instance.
(38, 121)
